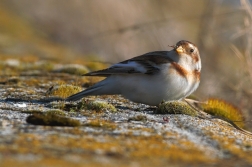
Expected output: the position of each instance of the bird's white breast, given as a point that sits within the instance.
(153, 89)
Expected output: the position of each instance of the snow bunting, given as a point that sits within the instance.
(152, 77)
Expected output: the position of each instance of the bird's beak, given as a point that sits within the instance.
(180, 49)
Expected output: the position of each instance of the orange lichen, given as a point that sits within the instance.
(224, 109)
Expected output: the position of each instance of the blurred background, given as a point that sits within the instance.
(111, 31)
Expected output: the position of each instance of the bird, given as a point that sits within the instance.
(150, 78)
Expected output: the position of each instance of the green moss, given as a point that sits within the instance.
(141, 118)
(73, 69)
(63, 90)
(58, 105)
(224, 109)
(175, 107)
(50, 119)
(99, 106)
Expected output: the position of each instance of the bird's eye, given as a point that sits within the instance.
(191, 50)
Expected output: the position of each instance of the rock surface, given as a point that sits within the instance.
(131, 136)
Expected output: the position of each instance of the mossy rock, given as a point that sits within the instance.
(63, 90)
(56, 112)
(50, 119)
(99, 106)
(72, 69)
(175, 107)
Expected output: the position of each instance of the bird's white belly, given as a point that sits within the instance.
(152, 89)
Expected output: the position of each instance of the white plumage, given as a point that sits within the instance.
(152, 77)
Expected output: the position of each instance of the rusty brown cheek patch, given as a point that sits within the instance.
(196, 73)
(185, 73)
(179, 69)
(195, 58)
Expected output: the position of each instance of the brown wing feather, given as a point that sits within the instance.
(157, 57)
(112, 70)
(149, 61)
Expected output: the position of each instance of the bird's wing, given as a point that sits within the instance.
(144, 64)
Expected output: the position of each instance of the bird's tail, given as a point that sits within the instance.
(104, 87)
(88, 92)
